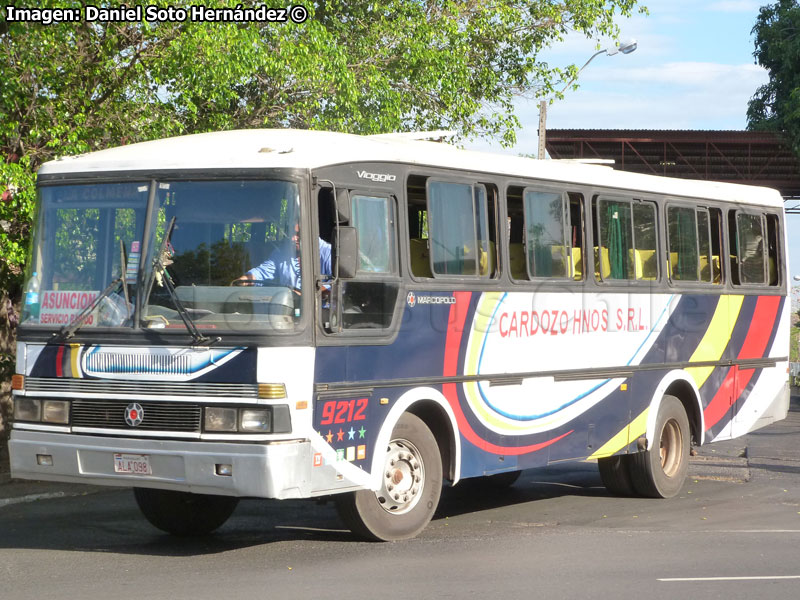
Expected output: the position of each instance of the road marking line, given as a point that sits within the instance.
(754, 531)
(753, 578)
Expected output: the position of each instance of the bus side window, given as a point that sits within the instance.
(452, 228)
(694, 244)
(516, 239)
(372, 216)
(614, 256)
(773, 253)
(684, 254)
(626, 235)
(486, 221)
(418, 243)
(368, 301)
(645, 241)
(748, 248)
(715, 231)
(576, 224)
(546, 234)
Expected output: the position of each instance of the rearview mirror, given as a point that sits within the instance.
(343, 205)
(347, 248)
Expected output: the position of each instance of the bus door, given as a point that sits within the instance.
(365, 281)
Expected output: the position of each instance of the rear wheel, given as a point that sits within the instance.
(182, 513)
(661, 471)
(615, 473)
(411, 483)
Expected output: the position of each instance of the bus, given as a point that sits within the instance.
(303, 314)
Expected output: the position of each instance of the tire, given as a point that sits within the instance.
(661, 471)
(615, 473)
(182, 513)
(411, 484)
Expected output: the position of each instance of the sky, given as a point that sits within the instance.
(693, 69)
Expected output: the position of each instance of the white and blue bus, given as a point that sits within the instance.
(297, 314)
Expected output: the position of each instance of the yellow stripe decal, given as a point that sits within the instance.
(716, 337)
(710, 348)
(73, 359)
(636, 429)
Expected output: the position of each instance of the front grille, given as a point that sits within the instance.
(158, 416)
(47, 385)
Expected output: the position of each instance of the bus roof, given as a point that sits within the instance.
(303, 149)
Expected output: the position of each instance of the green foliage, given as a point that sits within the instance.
(357, 66)
(776, 105)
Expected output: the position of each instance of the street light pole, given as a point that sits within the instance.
(624, 48)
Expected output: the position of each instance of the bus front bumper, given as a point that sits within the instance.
(277, 470)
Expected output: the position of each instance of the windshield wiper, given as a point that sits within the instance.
(67, 331)
(160, 270)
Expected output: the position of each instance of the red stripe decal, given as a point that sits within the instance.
(754, 346)
(455, 330)
(59, 361)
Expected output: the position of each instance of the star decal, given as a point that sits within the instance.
(361, 433)
(351, 435)
(339, 435)
(329, 437)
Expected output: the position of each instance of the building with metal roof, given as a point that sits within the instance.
(749, 157)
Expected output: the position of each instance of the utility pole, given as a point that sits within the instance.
(542, 127)
(625, 48)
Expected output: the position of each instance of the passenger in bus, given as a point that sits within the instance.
(283, 266)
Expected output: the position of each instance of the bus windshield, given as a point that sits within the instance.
(230, 261)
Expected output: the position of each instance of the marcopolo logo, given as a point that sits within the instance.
(377, 177)
(412, 300)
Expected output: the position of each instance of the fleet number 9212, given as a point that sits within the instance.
(343, 411)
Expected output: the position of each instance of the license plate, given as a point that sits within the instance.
(132, 464)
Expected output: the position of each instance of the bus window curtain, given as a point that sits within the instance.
(617, 248)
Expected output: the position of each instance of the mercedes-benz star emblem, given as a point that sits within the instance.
(134, 413)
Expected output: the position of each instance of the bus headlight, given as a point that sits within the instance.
(55, 411)
(220, 419)
(275, 418)
(256, 420)
(27, 409)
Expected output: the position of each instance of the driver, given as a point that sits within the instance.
(283, 266)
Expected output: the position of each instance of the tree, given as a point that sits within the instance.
(356, 66)
(776, 104)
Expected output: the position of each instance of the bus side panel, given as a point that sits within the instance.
(516, 368)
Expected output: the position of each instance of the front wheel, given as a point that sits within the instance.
(182, 513)
(411, 483)
(661, 471)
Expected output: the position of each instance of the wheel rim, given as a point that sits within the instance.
(403, 478)
(671, 448)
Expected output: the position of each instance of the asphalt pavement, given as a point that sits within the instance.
(773, 451)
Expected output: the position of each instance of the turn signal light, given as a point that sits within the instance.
(18, 382)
